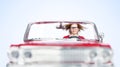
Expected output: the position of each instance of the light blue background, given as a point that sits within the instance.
(16, 14)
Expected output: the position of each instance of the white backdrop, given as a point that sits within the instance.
(16, 14)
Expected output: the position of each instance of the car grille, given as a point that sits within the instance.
(58, 54)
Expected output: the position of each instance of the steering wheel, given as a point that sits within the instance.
(75, 37)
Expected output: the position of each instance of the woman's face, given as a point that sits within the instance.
(74, 29)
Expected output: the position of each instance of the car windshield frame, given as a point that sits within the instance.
(26, 35)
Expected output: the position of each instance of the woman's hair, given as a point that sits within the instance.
(68, 26)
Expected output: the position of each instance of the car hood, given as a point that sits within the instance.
(63, 44)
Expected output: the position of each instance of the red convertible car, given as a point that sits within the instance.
(45, 46)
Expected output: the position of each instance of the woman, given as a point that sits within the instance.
(73, 31)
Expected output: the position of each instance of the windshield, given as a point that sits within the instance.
(54, 31)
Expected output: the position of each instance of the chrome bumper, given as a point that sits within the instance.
(59, 65)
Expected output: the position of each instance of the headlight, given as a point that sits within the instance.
(15, 54)
(106, 54)
(27, 54)
(93, 54)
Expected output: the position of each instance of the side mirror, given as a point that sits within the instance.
(101, 36)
